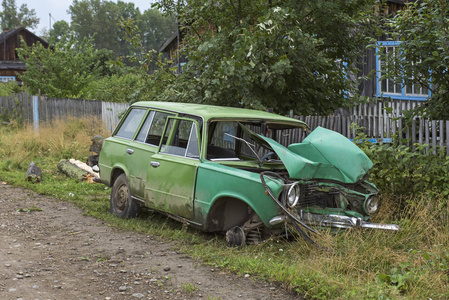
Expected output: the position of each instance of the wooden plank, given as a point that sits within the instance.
(447, 138)
(441, 139)
(421, 131)
(413, 137)
(433, 139)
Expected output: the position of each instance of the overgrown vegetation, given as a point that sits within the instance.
(412, 263)
(287, 55)
(405, 170)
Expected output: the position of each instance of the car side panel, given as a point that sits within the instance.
(215, 181)
(112, 155)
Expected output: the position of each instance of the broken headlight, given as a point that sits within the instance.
(293, 195)
(371, 205)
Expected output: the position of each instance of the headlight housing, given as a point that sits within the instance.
(372, 205)
(293, 195)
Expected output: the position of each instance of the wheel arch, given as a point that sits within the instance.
(227, 212)
(116, 172)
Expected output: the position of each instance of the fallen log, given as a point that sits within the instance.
(72, 171)
(84, 167)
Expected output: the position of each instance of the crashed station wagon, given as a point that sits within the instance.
(223, 169)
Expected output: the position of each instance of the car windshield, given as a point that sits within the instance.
(235, 140)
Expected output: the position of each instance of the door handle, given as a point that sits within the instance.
(129, 151)
(154, 164)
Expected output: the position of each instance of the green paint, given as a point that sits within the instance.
(324, 154)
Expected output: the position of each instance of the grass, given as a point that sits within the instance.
(354, 264)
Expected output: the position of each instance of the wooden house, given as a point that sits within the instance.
(10, 65)
(171, 49)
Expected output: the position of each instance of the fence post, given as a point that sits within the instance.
(35, 109)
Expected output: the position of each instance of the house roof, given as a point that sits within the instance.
(165, 46)
(5, 35)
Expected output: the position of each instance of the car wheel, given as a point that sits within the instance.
(122, 205)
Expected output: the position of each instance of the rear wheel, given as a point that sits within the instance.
(122, 205)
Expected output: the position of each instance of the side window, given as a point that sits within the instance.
(222, 143)
(141, 137)
(131, 123)
(183, 140)
(157, 128)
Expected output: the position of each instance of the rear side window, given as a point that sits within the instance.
(131, 123)
(157, 127)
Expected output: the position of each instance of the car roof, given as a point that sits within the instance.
(209, 112)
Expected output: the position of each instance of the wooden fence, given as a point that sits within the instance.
(33, 109)
(380, 121)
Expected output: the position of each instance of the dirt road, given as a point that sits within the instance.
(58, 253)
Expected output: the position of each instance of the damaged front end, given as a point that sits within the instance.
(324, 184)
(325, 204)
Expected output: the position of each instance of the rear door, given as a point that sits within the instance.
(172, 172)
(144, 145)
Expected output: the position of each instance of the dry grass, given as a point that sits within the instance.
(68, 138)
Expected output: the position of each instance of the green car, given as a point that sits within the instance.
(223, 169)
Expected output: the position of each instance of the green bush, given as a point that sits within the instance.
(407, 170)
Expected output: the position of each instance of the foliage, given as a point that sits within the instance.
(23, 17)
(97, 20)
(407, 170)
(116, 88)
(148, 84)
(422, 56)
(63, 70)
(361, 264)
(60, 31)
(9, 88)
(280, 54)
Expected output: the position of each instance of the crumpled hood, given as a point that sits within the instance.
(323, 154)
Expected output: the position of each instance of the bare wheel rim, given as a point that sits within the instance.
(121, 198)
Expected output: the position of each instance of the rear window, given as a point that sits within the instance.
(131, 123)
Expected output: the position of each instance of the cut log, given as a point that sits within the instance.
(34, 173)
(84, 167)
(71, 170)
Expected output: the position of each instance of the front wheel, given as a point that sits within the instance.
(122, 205)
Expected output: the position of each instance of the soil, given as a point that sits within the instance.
(58, 253)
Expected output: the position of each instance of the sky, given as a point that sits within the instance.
(58, 10)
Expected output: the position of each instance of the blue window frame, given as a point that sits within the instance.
(395, 89)
(7, 78)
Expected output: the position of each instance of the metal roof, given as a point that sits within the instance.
(209, 112)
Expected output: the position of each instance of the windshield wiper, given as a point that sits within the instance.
(250, 146)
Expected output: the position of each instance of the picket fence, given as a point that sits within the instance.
(380, 121)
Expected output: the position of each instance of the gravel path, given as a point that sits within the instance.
(58, 253)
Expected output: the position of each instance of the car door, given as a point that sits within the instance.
(138, 152)
(172, 172)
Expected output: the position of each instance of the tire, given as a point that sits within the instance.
(122, 205)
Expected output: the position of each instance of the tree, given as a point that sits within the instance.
(422, 56)
(11, 17)
(60, 31)
(286, 54)
(64, 70)
(97, 19)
